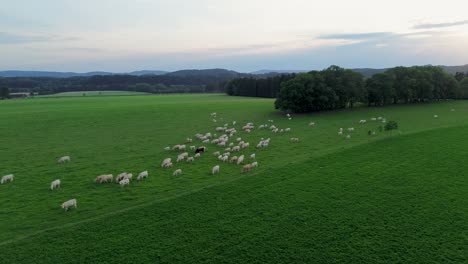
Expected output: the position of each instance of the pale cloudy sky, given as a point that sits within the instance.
(243, 35)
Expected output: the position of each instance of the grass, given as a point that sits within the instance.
(393, 197)
(94, 93)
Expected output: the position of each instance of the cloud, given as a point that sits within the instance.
(441, 25)
(358, 36)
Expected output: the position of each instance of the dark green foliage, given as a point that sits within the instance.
(459, 76)
(330, 89)
(339, 88)
(4, 93)
(257, 87)
(464, 88)
(391, 125)
(144, 83)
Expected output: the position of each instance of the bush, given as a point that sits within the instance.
(391, 125)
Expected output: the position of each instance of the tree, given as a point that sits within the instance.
(4, 93)
(464, 88)
(391, 125)
(459, 76)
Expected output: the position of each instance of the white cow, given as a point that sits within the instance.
(7, 178)
(215, 169)
(124, 182)
(68, 204)
(104, 178)
(55, 184)
(120, 177)
(240, 159)
(142, 175)
(177, 172)
(64, 159)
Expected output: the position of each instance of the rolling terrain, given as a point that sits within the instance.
(396, 196)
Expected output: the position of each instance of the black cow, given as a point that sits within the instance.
(200, 150)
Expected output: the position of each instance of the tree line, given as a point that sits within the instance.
(338, 88)
(257, 87)
(144, 83)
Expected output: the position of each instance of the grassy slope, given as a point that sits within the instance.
(377, 203)
(116, 134)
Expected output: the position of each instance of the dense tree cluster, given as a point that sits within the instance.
(4, 93)
(257, 87)
(329, 89)
(145, 83)
(337, 88)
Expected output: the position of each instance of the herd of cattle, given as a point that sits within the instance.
(225, 142)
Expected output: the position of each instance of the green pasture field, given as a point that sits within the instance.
(94, 93)
(393, 197)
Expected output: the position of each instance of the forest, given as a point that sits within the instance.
(338, 88)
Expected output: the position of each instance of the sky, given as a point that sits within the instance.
(241, 35)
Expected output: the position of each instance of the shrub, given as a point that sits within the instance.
(391, 125)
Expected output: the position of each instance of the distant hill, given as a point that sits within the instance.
(147, 72)
(455, 69)
(216, 74)
(368, 72)
(72, 74)
(48, 74)
(277, 72)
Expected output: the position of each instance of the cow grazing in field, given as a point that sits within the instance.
(312, 124)
(64, 159)
(254, 164)
(124, 182)
(7, 178)
(180, 158)
(68, 204)
(177, 172)
(246, 168)
(233, 159)
(215, 170)
(167, 165)
(167, 148)
(197, 155)
(252, 156)
(120, 177)
(104, 178)
(362, 121)
(294, 140)
(168, 160)
(142, 175)
(200, 150)
(55, 184)
(128, 176)
(190, 159)
(240, 159)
